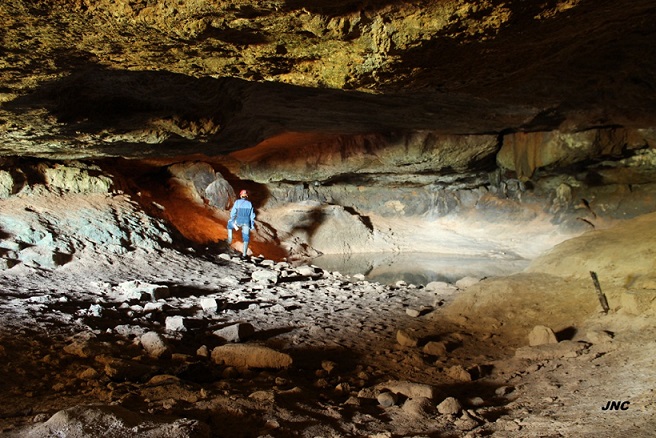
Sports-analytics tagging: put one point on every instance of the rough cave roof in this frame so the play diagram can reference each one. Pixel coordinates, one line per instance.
(87, 78)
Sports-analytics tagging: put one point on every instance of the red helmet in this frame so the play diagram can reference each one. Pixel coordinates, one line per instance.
(243, 194)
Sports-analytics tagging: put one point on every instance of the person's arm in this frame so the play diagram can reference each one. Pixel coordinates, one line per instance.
(252, 217)
(233, 212)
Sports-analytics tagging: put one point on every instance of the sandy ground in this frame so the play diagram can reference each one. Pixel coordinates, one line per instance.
(69, 338)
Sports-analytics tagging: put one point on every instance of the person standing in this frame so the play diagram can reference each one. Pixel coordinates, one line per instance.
(242, 216)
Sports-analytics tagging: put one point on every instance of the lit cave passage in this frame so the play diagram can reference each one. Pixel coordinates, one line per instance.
(455, 200)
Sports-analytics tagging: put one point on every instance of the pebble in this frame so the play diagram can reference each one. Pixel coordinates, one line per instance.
(406, 339)
(419, 407)
(435, 348)
(449, 406)
(412, 312)
(387, 399)
(541, 335)
(503, 390)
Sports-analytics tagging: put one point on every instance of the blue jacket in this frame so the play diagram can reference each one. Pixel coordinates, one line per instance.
(242, 213)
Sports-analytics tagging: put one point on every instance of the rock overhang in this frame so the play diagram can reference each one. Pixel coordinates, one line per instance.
(137, 79)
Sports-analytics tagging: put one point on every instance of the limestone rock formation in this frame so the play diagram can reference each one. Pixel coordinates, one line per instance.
(130, 78)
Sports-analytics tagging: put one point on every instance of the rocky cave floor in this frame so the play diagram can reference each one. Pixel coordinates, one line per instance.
(368, 359)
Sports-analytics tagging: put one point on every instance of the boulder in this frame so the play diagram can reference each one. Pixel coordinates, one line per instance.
(140, 290)
(265, 276)
(387, 399)
(541, 335)
(175, 323)
(449, 406)
(420, 407)
(154, 344)
(459, 374)
(406, 339)
(435, 348)
(236, 333)
(209, 304)
(306, 271)
(250, 356)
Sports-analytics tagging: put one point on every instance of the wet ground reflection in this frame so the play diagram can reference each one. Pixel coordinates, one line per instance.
(419, 268)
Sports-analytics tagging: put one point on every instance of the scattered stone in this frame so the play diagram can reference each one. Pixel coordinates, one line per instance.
(175, 323)
(420, 407)
(129, 331)
(88, 374)
(81, 345)
(154, 344)
(236, 333)
(229, 280)
(263, 396)
(412, 312)
(440, 288)
(435, 348)
(387, 399)
(343, 388)
(265, 276)
(250, 356)
(359, 277)
(328, 365)
(203, 351)
(140, 290)
(541, 335)
(503, 390)
(459, 374)
(465, 422)
(353, 401)
(162, 379)
(563, 349)
(95, 310)
(408, 389)
(476, 402)
(369, 393)
(209, 304)
(507, 425)
(180, 357)
(467, 282)
(406, 339)
(306, 271)
(277, 308)
(121, 369)
(401, 283)
(118, 420)
(40, 299)
(449, 406)
(154, 307)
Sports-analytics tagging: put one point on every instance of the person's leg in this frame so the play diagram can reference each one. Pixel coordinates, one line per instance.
(229, 235)
(245, 235)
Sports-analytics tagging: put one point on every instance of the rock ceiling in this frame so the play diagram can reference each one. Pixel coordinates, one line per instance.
(91, 78)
